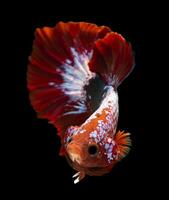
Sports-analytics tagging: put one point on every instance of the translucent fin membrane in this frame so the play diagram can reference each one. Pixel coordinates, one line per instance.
(123, 142)
(58, 72)
(112, 59)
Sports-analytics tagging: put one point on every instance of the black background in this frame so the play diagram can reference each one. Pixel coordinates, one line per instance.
(35, 167)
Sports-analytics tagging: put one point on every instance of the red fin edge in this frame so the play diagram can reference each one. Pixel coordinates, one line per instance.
(112, 58)
(50, 60)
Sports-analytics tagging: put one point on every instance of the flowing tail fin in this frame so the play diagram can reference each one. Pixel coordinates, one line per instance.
(112, 58)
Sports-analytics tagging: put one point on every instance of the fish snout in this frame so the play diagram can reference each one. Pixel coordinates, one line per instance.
(74, 153)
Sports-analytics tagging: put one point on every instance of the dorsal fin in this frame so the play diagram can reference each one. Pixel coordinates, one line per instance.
(58, 71)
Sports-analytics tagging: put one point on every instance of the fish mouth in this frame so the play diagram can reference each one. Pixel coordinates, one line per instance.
(75, 160)
(75, 157)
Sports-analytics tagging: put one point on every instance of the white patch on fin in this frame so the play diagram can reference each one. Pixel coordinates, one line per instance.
(79, 175)
(75, 75)
(76, 180)
(75, 175)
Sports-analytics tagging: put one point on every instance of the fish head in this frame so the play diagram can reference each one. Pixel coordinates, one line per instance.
(90, 157)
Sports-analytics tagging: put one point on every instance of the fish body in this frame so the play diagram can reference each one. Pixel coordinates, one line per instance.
(73, 76)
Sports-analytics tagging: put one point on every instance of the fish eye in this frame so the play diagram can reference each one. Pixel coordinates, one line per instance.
(92, 149)
(69, 139)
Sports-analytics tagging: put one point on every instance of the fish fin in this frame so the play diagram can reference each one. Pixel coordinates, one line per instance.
(112, 59)
(62, 151)
(58, 71)
(123, 143)
(79, 176)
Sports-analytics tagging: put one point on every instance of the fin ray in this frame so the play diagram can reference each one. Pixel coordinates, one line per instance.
(123, 143)
(58, 66)
(112, 59)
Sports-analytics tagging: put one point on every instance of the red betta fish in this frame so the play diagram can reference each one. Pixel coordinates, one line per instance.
(73, 74)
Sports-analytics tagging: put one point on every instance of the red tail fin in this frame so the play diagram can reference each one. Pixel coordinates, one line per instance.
(112, 58)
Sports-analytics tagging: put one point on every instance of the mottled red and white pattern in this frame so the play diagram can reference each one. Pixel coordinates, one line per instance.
(74, 71)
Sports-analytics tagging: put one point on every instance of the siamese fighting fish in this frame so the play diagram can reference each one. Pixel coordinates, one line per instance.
(73, 75)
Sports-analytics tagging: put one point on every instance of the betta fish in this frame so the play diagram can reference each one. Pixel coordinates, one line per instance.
(73, 74)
